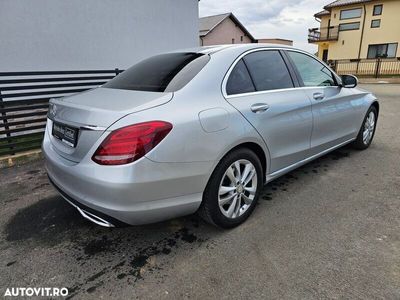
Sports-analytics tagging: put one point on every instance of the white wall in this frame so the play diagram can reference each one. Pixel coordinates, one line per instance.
(92, 34)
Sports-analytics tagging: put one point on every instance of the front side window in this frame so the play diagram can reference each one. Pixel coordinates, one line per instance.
(268, 70)
(349, 26)
(239, 81)
(382, 50)
(377, 10)
(350, 13)
(161, 73)
(311, 71)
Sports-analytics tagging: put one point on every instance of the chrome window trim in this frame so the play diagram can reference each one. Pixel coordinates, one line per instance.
(277, 90)
(233, 65)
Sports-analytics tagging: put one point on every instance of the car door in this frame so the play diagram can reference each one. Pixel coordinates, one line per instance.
(262, 89)
(334, 108)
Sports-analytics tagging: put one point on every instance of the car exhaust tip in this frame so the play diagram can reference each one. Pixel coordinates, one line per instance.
(93, 218)
(88, 213)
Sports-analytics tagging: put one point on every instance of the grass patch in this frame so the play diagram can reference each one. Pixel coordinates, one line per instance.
(20, 143)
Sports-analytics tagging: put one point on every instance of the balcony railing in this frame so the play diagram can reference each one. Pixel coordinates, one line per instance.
(323, 34)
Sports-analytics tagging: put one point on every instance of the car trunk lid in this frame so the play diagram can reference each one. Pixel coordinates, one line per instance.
(90, 114)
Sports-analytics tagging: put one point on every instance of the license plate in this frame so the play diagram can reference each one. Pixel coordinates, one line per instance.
(66, 134)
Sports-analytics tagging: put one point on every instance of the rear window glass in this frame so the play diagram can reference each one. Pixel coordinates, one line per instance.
(161, 73)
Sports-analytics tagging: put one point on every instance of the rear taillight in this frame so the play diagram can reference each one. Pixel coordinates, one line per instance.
(130, 143)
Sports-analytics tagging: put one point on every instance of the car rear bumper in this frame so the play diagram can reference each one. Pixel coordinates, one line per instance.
(138, 193)
(89, 213)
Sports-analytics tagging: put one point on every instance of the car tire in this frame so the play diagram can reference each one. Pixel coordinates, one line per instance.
(367, 130)
(220, 206)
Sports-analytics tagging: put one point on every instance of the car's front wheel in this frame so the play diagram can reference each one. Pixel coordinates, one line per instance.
(233, 189)
(367, 130)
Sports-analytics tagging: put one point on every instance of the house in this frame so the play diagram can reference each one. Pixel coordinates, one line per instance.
(92, 34)
(276, 41)
(223, 29)
(357, 29)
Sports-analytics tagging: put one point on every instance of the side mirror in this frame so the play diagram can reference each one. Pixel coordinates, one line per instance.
(349, 81)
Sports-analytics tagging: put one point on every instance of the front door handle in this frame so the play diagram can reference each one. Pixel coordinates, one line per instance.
(318, 96)
(259, 107)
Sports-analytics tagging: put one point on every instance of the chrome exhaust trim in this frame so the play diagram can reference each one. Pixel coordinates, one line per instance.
(95, 219)
(91, 217)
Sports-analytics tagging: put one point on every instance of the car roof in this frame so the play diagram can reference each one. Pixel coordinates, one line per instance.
(239, 47)
(204, 49)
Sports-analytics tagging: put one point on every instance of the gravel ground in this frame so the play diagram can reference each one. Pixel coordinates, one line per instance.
(330, 229)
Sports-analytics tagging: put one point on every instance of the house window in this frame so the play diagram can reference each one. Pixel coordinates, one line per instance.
(382, 50)
(350, 13)
(376, 23)
(377, 10)
(349, 26)
(241, 38)
(233, 41)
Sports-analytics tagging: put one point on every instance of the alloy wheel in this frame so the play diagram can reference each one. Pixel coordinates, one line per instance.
(369, 127)
(237, 189)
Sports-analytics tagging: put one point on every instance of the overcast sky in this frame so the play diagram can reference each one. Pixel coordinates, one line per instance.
(288, 19)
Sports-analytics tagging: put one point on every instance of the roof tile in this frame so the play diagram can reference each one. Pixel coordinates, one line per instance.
(208, 23)
(344, 2)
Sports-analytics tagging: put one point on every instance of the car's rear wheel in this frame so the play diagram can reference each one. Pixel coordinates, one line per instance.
(367, 130)
(233, 189)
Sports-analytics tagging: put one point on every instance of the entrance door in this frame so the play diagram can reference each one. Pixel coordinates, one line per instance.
(325, 55)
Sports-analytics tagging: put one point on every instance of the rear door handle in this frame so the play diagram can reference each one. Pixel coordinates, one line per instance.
(259, 107)
(318, 96)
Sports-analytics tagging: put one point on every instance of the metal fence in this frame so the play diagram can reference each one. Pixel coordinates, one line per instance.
(24, 98)
(379, 67)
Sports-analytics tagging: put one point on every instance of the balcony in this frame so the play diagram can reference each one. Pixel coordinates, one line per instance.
(323, 34)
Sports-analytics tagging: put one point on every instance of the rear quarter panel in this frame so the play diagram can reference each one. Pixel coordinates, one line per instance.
(196, 135)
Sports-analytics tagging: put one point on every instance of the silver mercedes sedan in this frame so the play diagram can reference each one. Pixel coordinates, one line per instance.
(200, 130)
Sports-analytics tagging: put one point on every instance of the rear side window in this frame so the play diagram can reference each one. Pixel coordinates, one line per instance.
(268, 70)
(161, 73)
(311, 71)
(239, 81)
